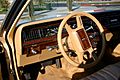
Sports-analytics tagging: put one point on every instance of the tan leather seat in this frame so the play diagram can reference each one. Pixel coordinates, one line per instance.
(111, 72)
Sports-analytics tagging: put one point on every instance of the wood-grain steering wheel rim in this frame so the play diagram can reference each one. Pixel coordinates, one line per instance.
(80, 26)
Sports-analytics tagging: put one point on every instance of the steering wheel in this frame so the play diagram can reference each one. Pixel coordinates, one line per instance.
(79, 40)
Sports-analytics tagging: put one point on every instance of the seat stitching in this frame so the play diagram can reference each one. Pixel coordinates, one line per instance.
(100, 74)
(95, 76)
(105, 70)
(108, 72)
(89, 77)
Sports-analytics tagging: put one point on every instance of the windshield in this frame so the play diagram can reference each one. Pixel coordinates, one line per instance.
(45, 9)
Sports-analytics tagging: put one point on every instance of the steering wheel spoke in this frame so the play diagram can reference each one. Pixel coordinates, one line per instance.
(79, 22)
(68, 28)
(92, 53)
(79, 57)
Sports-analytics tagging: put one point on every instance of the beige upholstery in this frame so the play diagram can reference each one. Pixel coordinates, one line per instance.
(111, 72)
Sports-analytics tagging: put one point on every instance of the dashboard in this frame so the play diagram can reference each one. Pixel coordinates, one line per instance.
(39, 39)
(35, 38)
(109, 19)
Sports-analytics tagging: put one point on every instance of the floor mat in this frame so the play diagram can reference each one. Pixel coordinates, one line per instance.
(64, 73)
